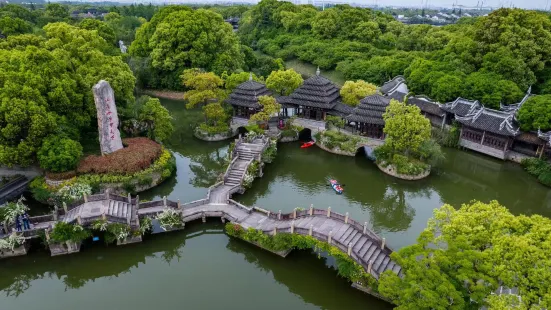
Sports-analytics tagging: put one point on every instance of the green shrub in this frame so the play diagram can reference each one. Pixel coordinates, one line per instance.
(145, 180)
(538, 168)
(64, 232)
(129, 187)
(289, 133)
(59, 154)
(205, 129)
(408, 166)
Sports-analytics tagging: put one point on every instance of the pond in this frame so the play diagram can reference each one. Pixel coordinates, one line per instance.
(202, 268)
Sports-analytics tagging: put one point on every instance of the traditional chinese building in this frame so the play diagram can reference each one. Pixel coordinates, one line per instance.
(395, 88)
(367, 117)
(459, 107)
(488, 131)
(244, 98)
(314, 99)
(430, 109)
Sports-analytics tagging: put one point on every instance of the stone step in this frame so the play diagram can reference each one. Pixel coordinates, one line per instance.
(365, 247)
(373, 255)
(379, 260)
(384, 264)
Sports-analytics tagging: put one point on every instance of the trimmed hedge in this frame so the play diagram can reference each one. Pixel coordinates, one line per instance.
(139, 154)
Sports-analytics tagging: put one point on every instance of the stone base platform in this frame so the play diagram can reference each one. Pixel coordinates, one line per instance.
(130, 240)
(64, 248)
(18, 251)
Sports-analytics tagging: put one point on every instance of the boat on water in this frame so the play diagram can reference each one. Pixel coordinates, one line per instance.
(336, 186)
(307, 144)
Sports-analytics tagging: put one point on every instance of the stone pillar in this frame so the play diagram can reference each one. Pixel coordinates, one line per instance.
(365, 228)
(293, 227)
(79, 220)
(55, 214)
(369, 266)
(346, 218)
(329, 212)
(85, 198)
(103, 217)
(483, 136)
(329, 237)
(295, 213)
(223, 219)
(47, 235)
(108, 119)
(129, 198)
(279, 215)
(310, 229)
(164, 201)
(107, 193)
(204, 217)
(383, 244)
(275, 230)
(349, 248)
(311, 210)
(179, 205)
(137, 202)
(65, 207)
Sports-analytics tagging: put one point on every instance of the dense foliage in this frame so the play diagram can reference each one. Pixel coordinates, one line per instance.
(493, 59)
(156, 120)
(539, 168)
(535, 113)
(59, 154)
(284, 82)
(46, 87)
(338, 141)
(270, 107)
(464, 255)
(408, 145)
(64, 232)
(353, 91)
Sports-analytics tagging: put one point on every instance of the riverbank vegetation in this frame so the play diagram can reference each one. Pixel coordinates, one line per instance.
(408, 145)
(539, 168)
(338, 141)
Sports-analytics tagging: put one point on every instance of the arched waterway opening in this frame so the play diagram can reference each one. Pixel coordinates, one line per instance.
(242, 130)
(305, 135)
(365, 152)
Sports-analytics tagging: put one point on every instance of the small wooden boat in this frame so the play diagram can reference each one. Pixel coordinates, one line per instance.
(336, 186)
(307, 144)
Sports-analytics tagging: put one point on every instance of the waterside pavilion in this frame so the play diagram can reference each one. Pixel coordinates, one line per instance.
(430, 109)
(367, 117)
(244, 98)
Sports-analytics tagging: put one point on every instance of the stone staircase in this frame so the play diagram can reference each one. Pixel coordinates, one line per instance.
(245, 152)
(119, 209)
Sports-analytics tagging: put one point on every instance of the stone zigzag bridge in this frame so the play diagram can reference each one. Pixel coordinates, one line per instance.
(350, 236)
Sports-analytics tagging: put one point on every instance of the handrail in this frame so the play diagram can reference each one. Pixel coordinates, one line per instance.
(245, 171)
(215, 185)
(237, 204)
(229, 166)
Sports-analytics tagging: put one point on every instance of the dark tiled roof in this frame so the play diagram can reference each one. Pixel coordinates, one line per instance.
(246, 94)
(493, 121)
(426, 105)
(397, 96)
(370, 110)
(530, 137)
(461, 107)
(342, 109)
(317, 92)
(545, 136)
(284, 101)
(389, 86)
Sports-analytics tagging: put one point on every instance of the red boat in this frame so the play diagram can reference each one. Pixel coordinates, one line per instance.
(307, 144)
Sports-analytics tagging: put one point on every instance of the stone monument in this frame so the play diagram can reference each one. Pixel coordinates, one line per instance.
(108, 120)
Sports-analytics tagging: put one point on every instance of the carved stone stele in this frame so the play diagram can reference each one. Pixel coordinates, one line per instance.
(108, 119)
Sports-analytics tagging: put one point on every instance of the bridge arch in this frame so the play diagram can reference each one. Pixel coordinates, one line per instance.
(242, 130)
(305, 134)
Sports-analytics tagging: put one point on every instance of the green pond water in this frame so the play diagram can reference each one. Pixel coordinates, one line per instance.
(202, 268)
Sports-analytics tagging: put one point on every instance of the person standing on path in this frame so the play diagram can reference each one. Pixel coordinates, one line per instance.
(26, 221)
(18, 223)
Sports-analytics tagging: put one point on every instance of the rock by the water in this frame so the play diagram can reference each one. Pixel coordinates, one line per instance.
(108, 119)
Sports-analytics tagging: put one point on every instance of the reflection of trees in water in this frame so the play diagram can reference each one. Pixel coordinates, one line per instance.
(207, 167)
(21, 283)
(393, 213)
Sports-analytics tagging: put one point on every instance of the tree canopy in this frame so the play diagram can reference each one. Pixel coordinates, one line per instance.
(464, 255)
(352, 92)
(406, 129)
(284, 82)
(269, 108)
(535, 113)
(157, 120)
(203, 86)
(233, 80)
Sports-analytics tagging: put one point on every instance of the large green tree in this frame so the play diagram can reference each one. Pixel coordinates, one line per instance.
(284, 82)
(46, 87)
(203, 87)
(157, 120)
(352, 92)
(535, 113)
(233, 80)
(464, 255)
(190, 39)
(406, 129)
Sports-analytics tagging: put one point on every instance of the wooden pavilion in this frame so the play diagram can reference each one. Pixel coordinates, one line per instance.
(244, 98)
(367, 117)
(314, 99)
(430, 109)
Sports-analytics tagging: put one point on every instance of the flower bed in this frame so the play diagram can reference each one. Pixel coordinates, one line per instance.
(151, 176)
(138, 155)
